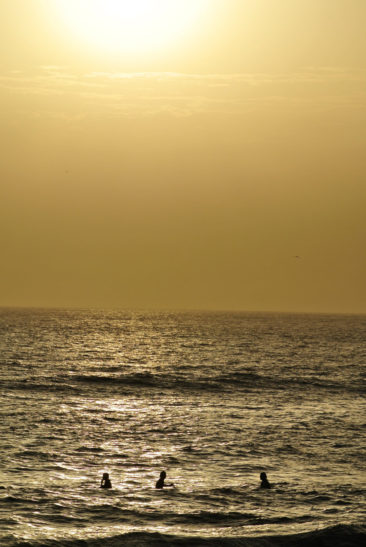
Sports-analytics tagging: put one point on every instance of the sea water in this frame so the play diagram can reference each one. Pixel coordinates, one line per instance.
(213, 399)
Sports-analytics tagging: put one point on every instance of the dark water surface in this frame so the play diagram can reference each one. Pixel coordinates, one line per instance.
(214, 399)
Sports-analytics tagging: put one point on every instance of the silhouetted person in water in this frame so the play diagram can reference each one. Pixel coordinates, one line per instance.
(160, 482)
(264, 483)
(105, 482)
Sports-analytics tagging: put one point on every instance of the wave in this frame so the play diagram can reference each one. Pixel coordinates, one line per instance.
(19, 501)
(249, 381)
(199, 518)
(236, 518)
(244, 381)
(336, 536)
(92, 449)
(51, 384)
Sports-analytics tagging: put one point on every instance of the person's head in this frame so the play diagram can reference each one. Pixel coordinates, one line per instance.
(105, 476)
(263, 476)
(163, 475)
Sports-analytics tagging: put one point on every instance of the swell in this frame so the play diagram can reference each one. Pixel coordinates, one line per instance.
(105, 514)
(336, 536)
(244, 381)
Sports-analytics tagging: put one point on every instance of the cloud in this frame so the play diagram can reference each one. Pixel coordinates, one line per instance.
(178, 94)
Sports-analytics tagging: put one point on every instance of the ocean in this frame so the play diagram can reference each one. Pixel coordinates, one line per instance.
(214, 399)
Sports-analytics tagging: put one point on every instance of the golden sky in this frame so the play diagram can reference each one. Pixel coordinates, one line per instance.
(208, 156)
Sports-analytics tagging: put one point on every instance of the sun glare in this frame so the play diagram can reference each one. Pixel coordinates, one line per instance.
(132, 26)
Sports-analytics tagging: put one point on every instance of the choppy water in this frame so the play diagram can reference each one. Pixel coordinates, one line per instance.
(214, 399)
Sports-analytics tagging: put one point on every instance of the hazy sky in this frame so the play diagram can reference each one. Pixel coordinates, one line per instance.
(213, 161)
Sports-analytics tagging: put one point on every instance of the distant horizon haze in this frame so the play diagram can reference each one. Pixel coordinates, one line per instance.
(220, 166)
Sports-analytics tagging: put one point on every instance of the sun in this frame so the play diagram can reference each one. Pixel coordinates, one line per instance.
(135, 26)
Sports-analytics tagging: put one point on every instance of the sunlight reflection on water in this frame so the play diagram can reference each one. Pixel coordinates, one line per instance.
(218, 400)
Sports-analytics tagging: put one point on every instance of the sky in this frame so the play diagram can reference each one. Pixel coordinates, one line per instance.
(198, 155)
